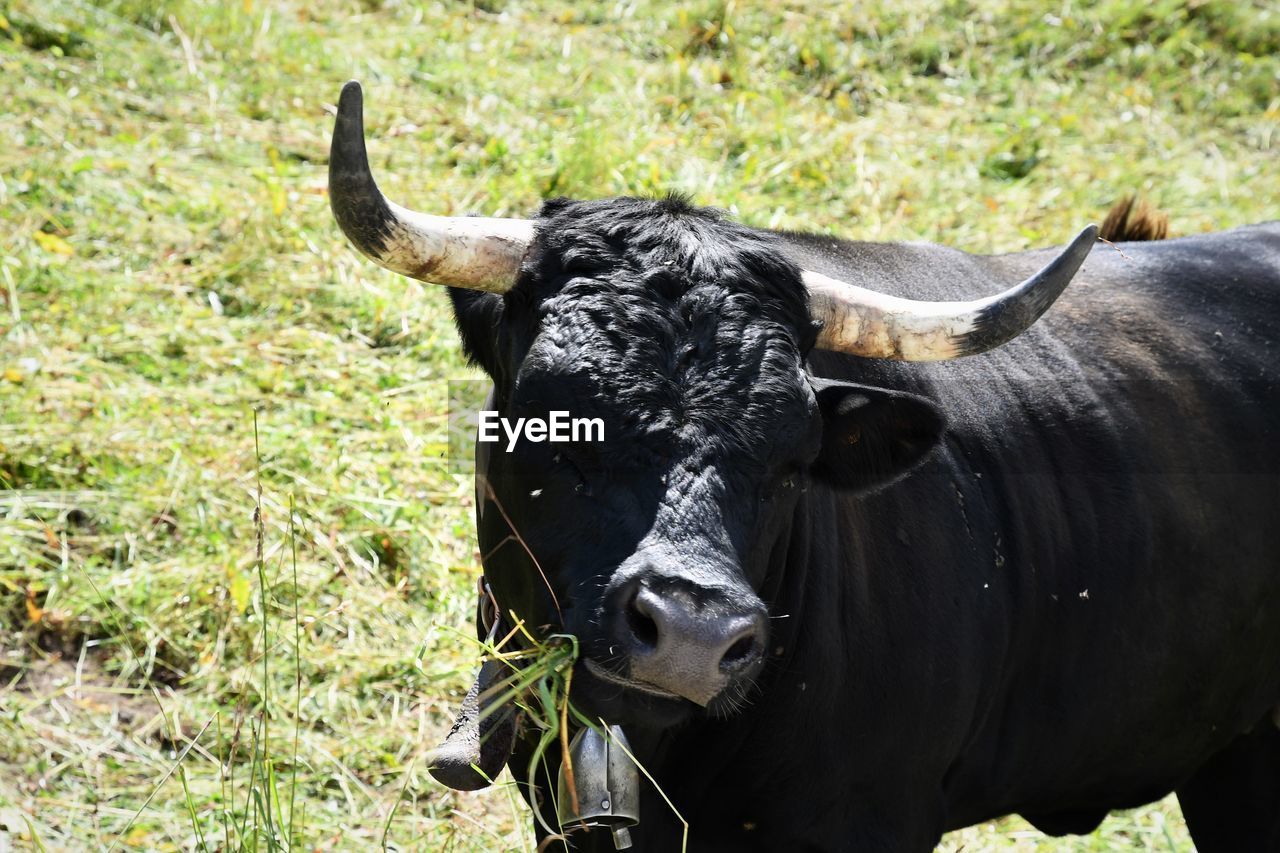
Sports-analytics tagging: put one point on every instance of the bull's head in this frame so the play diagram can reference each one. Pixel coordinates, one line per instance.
(687, 335)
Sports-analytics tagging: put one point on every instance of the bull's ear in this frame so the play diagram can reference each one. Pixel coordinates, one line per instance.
(872, 436)
(478, 316)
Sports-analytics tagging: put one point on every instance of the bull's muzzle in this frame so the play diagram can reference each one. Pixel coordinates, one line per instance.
(686, 640)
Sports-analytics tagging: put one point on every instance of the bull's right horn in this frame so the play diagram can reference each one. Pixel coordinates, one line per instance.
(867, 323)
(472, 252)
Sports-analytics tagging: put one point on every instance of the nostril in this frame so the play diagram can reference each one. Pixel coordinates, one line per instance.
(642, 627)
(738, 652)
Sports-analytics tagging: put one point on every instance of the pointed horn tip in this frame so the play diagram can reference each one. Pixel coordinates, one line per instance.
(1079, 248)
(351, 101)
(1083, 242)
(346, 149)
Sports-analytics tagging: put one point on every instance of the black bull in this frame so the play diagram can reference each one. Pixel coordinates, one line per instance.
(1071, 605)
(849, 604)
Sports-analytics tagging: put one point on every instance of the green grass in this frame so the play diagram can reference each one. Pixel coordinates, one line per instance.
(168, 265)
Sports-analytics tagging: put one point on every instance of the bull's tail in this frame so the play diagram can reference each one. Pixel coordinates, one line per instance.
(1130, 219)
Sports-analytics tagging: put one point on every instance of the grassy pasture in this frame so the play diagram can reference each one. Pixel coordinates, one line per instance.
(168, 266)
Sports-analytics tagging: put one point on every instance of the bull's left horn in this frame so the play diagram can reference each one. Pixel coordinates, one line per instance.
(472, 252)
(863, 322)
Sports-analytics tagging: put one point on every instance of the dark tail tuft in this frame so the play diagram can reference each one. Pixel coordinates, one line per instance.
(1130, 219)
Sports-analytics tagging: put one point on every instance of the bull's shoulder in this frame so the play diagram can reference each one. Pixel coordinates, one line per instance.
(1246, 257)
(1249, 253)
(914, 270)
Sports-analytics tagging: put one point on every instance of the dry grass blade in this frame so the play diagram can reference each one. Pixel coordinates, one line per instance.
(168, 773)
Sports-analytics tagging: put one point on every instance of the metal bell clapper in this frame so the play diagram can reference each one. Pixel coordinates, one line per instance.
(608, 785)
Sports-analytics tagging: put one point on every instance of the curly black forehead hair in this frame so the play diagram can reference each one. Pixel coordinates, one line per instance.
(668, 316)
(666, 249)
